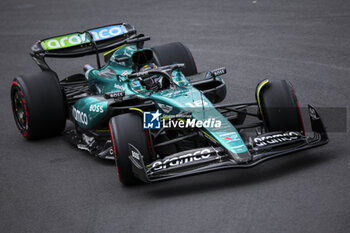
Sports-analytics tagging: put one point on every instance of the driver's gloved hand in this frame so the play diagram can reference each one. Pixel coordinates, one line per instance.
(156, 86)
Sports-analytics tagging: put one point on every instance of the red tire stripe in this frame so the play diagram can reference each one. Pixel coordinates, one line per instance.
(148, 142)
(114, 148)
(110, 129)
(301, 119)
(25, 133)
(14, 83)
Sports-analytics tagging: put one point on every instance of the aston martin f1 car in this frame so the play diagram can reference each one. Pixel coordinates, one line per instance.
(151, 111)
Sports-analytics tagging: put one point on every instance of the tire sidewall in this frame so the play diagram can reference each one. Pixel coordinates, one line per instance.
(279, 107)
(127, 128)
(45, 103)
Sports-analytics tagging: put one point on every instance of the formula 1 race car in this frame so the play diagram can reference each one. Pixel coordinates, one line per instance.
(151, 111)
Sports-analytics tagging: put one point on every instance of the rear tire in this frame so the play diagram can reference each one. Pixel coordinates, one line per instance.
(38, 105)
(127, 128)
(175, 52)
(279, 106)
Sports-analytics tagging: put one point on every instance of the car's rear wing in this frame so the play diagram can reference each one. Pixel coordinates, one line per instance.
(90, 41)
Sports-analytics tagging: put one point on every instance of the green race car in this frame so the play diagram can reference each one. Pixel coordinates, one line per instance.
(151, 111)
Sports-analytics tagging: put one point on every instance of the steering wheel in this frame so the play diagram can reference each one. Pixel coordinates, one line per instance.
(156, 80)
(162, 71)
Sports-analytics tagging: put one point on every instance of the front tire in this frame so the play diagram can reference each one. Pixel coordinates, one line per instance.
(38, 105)
(279, 106)
(127, 128)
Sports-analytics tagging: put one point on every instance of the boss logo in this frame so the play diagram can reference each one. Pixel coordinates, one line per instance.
(96, 108)
(220, 71)
(135, 155)
(114, 95)
(313, 114)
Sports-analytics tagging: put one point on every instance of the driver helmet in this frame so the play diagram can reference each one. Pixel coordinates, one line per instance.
(155, 81)
(149, 66)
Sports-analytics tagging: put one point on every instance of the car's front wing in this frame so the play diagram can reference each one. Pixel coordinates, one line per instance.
(214, 158)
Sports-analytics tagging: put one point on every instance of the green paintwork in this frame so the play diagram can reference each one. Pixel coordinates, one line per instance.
(184, 98)
(88, 112)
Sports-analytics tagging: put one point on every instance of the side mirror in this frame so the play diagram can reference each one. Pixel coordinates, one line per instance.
(215, 73)
(121, 59)
(115, 95)
(219, 71)
(117, 59)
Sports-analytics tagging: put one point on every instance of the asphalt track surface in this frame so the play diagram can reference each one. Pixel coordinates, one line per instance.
(49, 186)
